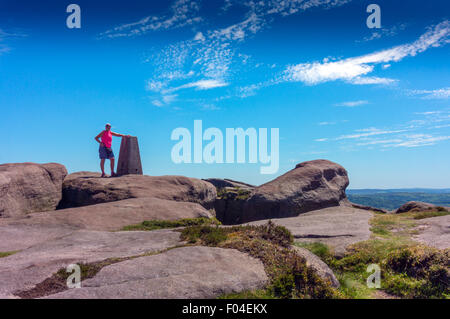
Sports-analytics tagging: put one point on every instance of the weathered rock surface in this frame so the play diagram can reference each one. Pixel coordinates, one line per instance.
(25, 269)
(113, 215)
(19, 237)
(310, 186)
(86, 188)
(318, 265)
(435, 232)
(415, 207)
(29, 187)
(187, 272)
(337, 227)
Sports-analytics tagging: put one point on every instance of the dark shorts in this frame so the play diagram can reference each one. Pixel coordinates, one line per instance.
(105, 152)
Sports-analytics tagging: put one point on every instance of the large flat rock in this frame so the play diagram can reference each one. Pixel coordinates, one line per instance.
(31, 266)
(337, 227)
(19, 237)
(113, 215)
(435, 232)
(188, 272)
(30, 187)
(87, 188)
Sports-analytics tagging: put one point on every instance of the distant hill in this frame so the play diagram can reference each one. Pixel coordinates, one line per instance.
(394, 198)
(399, 190)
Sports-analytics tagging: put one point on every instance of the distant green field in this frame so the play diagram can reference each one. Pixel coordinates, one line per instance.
(393, 200)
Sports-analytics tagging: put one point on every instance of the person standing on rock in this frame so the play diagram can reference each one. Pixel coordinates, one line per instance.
(105, 150)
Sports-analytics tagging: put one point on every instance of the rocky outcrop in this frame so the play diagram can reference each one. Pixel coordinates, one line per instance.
(318, 265)
(187, 272)
(86, 188)
(29, 187)
(311, 185)
(417, 207)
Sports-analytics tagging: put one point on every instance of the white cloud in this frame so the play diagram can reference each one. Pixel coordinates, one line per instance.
(385, 32)
(406, 135)
(443, 93)
(4, 47)
(157, 103)
(213, 54)
(354, 69)
(199, 85)
(210, 107)
(199, 37)
(417, 140)
(249, 90)
(183, 13)
(289, 7)
(169, 98)
(155, 86)
(372, 80)
(239, 30)
(428, 113)
(379, 141)
(352, 103)
(367, 132)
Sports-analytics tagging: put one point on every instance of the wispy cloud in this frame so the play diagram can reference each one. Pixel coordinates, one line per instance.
(410, 134)
(372, 80)
(352, 103)
(239, 30)
(183, 13)
(289, 7)
(4, 36)
(354, 69)
(331, 123)
(199, 85)
(209, 107)
(385, 32)
(418, 140)
(367, 132)
(211, 55)
(157, 103)
(443, 93)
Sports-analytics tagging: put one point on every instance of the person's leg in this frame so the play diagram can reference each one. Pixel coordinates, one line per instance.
(102, 166)
(112, 166)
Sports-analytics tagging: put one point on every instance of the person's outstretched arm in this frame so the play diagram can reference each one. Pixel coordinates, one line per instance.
(118, 135)
(97, 138)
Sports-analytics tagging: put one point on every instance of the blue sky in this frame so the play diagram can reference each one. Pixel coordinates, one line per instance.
(373, 100)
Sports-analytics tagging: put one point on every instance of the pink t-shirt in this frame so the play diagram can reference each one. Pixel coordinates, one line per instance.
(107, 138)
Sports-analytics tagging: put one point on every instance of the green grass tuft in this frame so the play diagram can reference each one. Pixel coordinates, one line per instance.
(430, 214)
(408, 269)
(207, 235)
(319, 249)
(233, 193)
(149, 225)
(7, 253)
(289, 275)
